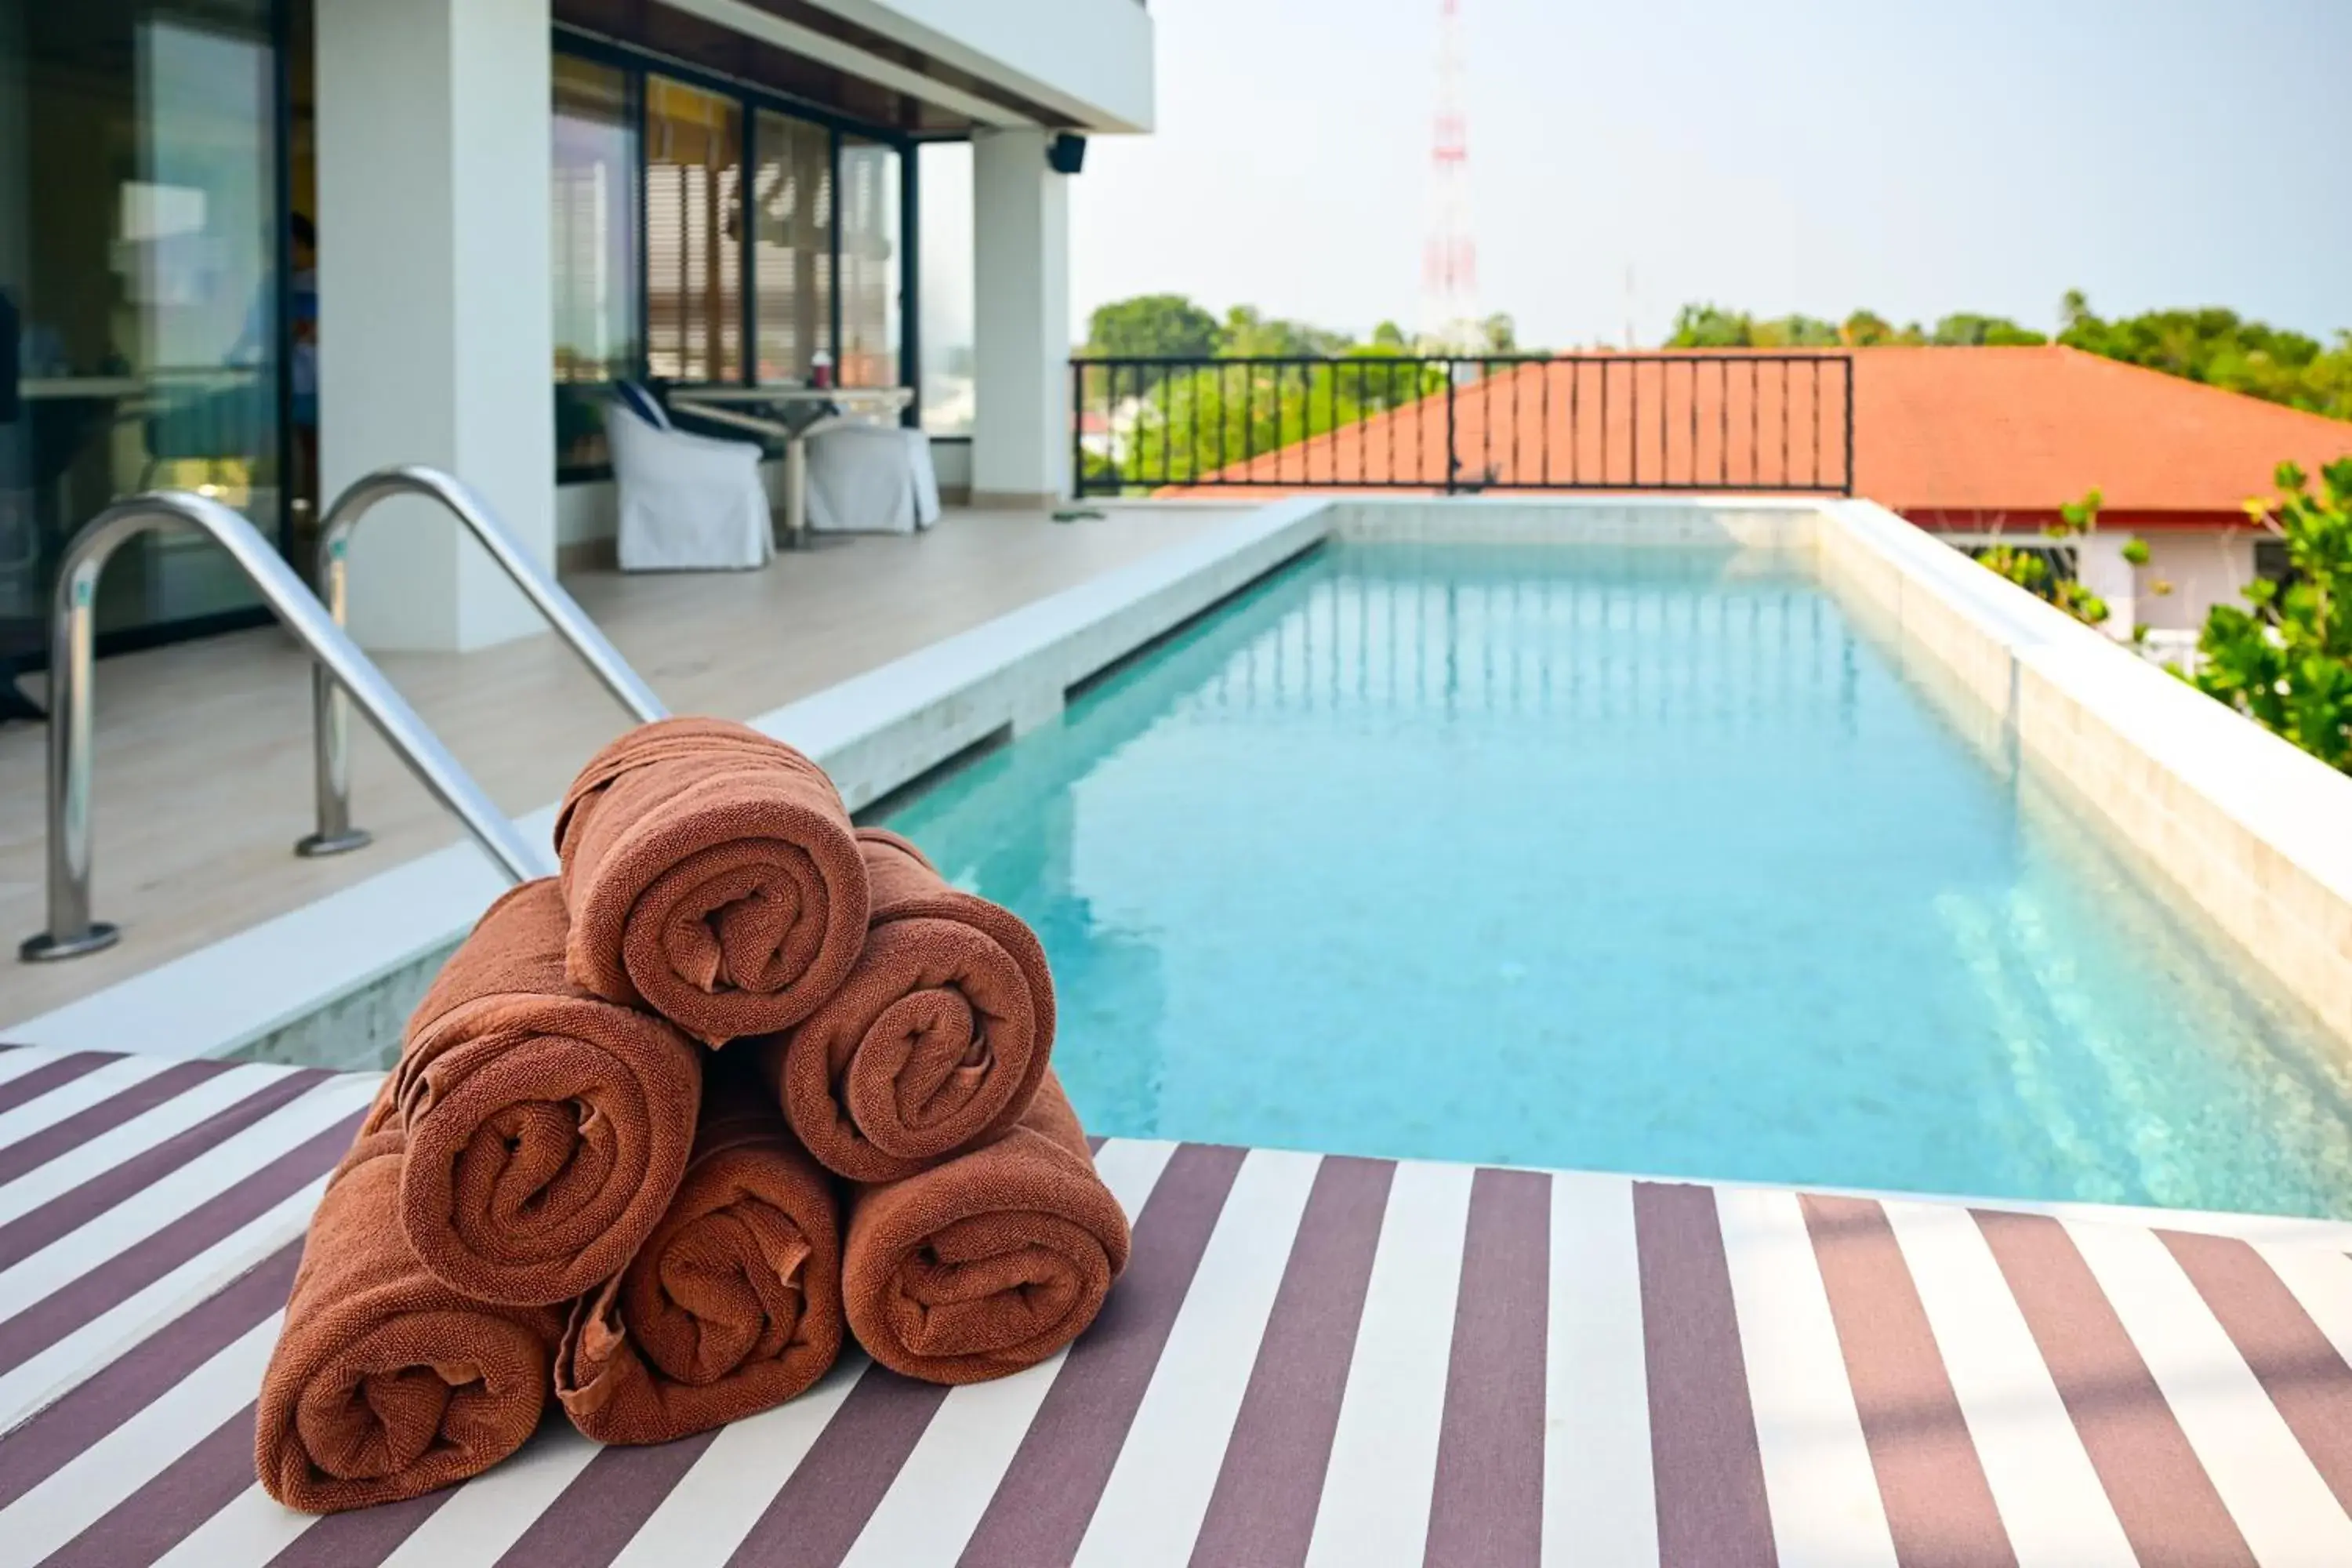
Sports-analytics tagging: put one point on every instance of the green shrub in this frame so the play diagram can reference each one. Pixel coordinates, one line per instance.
(2030, 572)
(2285, 659)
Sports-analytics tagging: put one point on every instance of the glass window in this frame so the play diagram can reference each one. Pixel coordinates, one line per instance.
(869, 263)
(140, 310)
(694, 175)
(943, 209)
(592, 238)
(791, 243)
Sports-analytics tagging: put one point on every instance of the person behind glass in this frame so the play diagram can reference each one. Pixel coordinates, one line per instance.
(302, 332)
(252, 347)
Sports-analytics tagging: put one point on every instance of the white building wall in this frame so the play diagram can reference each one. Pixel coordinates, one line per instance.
(2100, 566)
(435, 331)
(2203, 569)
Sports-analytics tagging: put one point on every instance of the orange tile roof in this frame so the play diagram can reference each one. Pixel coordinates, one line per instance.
(1951, 437)
(1983, 430)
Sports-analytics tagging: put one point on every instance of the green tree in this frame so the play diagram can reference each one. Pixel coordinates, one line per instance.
(2211, 345)
(1152, 326)
(1968, 330)
(2222, 349)
(1866, 329)
(2285, 659)
(1795, 331)
(1214, 417)
(1248, 333)
(1712, 327)
(1171, 426)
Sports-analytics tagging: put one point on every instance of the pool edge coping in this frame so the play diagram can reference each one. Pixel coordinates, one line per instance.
(2234, 819)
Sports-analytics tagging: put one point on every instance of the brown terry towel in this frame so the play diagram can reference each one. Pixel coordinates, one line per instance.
(385, 1383)
(938, 1039)
(711, 876)
(989, 1263)
(546, 1129)
(732, 1306)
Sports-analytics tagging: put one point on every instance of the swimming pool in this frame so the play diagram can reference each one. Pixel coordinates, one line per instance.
(1643, 859)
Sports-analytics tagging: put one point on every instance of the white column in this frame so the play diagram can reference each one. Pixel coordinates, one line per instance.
(1021, 322)
(2100, 566)
(435, 324)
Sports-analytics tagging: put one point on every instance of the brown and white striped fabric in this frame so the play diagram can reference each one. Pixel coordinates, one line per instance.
(1312, 1361)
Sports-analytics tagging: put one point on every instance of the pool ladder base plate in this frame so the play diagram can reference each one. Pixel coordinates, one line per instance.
(44, 948)
(313, 846)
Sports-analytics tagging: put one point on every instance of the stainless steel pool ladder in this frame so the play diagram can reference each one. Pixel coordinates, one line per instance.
(334, 833)
(72, 631)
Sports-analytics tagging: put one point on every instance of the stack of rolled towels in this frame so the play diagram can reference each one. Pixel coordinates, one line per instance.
(742, 1080)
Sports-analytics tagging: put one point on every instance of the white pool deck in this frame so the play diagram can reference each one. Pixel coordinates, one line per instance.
(1309, 1361)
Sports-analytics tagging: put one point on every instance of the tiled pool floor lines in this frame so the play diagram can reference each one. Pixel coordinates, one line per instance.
(1623, 858)
(1311, 1359)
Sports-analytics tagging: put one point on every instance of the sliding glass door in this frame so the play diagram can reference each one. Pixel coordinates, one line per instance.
(141, 294)
(702, 233)
(592, 240)
(871, 268)
(791, 244)
(694, 235)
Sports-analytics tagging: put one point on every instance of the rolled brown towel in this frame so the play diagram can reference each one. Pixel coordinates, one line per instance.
(935, 1043)
(385, 1383)
(711, 876)
(989, 1263)
(731, 1307)
(546, 1127)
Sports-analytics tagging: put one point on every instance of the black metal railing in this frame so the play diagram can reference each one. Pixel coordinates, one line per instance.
(1701, 421)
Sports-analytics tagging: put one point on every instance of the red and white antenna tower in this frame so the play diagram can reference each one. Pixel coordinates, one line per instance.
(1450, 264)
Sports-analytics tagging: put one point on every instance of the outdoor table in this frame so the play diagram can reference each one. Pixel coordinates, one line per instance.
(766, 412)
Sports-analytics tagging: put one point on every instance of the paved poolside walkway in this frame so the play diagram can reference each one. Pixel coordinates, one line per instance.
(203, 765)
(1310, 1361)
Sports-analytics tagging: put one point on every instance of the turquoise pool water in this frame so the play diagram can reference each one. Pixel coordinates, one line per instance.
(1639, 860)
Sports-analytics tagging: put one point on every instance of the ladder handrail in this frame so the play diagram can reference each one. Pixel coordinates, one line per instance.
(331, 738)
(72, 649)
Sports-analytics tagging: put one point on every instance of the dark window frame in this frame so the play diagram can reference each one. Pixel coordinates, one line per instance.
(632, 111)
(635, 65)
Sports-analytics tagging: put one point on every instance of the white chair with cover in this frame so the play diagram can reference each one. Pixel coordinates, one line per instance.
(688, 502)
(870, 479)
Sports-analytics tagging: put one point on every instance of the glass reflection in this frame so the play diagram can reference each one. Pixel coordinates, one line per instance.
(792, 242)
(593, 237)
(138, 298)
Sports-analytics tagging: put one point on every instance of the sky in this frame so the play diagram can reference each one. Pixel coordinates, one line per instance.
(1815, 156)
